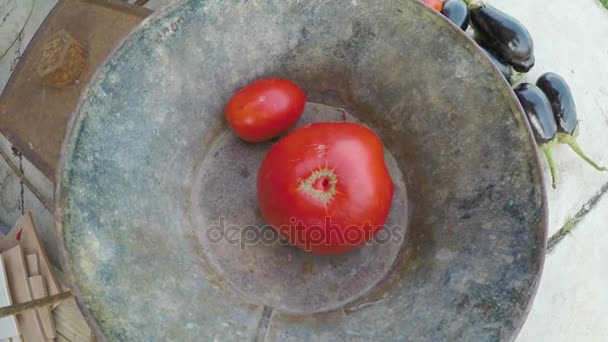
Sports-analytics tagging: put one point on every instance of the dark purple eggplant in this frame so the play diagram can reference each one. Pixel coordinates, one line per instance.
(526, 65)
(458, 13)
(538, 110)
(505, 69)
(502, 34)
(559, 94)
(562, 103)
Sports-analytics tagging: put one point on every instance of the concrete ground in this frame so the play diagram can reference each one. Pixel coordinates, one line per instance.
(571, 38)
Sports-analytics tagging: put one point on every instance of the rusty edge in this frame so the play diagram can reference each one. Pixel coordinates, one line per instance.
(14, 139)
(122, 6)
(469, 43)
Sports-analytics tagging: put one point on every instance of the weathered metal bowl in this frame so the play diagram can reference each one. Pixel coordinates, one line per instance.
(156, 207)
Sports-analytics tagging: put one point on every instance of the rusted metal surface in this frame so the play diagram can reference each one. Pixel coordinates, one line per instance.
(149, 167)
(62, 61)
(34, 116)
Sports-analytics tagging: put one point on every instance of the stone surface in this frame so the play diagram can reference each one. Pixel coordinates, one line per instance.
(572, 303)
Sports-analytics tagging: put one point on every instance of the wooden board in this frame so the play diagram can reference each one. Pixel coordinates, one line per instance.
(29, 322)
(70, 323)
(60, 338)
(33, 268)
(24, 234)
(38, 287)
(8, 325)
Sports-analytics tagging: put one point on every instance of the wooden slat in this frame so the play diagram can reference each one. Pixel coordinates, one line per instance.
(8, 325)
(61, 338)
(29, 322)
(33, 268)
(18, 308)
(80, 325)
(70, 323)
(25, 235)
(46, 318)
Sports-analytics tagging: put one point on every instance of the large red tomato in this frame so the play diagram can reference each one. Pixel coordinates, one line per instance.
(265, 109)
(325, 187)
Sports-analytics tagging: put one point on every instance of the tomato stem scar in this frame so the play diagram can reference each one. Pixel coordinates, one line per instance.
(321, 184)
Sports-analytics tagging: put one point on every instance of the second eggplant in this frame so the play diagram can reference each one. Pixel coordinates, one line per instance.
(504, 68)
(503, 35)
(564, 110)
(538, 110)
(559, 94)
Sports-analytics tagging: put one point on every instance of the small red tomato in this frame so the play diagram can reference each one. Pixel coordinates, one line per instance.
(436, 4)
(265, 109)
(325, 187)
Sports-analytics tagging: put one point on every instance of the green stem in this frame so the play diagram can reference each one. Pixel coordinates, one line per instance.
(546, 148)
(576, 131)
(517, 76)
(570, 140)
(473, 4)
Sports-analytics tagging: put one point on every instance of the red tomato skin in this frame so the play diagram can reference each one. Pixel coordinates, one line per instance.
(363, 192)
(436, 4)
(265, 109)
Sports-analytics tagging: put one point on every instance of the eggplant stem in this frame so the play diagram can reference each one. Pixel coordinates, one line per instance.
(546, 148)
(570, 140)
(473, 4)
(517, 76)
(576, 130)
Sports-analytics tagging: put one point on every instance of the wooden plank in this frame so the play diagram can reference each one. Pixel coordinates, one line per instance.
(61, 338)
(8, 325)
(70, 323)
(60, 278)
(29, 322)
(33, 268)
(24, 234)
(73, 327)
(18, 308)
(46, 318)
